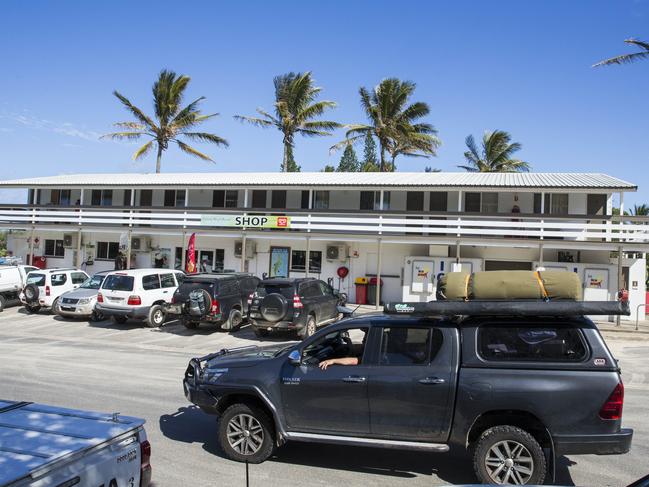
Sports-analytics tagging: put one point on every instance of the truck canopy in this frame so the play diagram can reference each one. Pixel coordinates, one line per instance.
(35, 436)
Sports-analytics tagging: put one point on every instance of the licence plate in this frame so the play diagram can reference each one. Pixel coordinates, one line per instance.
(115, 300)
(67, 308)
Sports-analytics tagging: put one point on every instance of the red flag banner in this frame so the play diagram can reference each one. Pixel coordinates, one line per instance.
(190, 265)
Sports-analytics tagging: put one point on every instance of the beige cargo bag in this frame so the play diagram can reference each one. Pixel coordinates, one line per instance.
(508, 285)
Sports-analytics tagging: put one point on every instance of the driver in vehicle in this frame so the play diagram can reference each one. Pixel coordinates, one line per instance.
(356, 354)
(338, 361)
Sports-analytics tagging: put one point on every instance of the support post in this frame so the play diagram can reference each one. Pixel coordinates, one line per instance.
(310, 199)
(243, 252)
(308, 252)
(378, 275)
(540, 255)
(619, 277)
(381, 200)
(245, 198)
(77, 262)
(31, 247)
(81, 197)
(183, 253)
(621, 221)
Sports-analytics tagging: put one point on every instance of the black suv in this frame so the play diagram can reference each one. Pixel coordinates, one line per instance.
(515, 390)
(220, 299)
(301, 305)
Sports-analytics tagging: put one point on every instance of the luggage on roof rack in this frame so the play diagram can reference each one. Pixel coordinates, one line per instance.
(492, 285)
(509, 308)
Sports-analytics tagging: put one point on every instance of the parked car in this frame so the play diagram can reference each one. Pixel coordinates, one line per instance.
(516, 389)
(298, 304)
(12, 281)
(80, 302)
(44, 287)
(138, 294)
(220, 299)
(45, 445)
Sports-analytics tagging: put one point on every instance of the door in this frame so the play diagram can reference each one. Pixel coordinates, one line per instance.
(329, 302)
(409, 389)
(331, 401)
(205, 260)
(167, 286)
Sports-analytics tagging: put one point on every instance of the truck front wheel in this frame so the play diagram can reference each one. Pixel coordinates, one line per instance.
(509, 455)
(246, 434)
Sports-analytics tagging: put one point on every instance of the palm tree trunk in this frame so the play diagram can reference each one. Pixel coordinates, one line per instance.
(287, 148)
(157, 164)
(382, 167)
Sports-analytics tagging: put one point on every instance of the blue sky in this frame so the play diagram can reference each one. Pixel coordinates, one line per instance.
(524, 67)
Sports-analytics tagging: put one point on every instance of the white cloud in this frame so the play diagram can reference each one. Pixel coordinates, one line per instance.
(65, 128)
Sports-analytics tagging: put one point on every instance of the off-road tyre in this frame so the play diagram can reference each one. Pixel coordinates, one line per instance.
(234, 320)
(531, 457)
(32, 308)
(262, 433)
(3, 302)
(96, 316)
(55, 307)
(309, 328)
(157, 317)
(120, 320)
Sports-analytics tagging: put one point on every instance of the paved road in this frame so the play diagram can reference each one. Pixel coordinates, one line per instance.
(137, 371)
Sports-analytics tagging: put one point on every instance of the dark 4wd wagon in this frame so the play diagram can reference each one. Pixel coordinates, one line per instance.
(300, 305)
(515, 389)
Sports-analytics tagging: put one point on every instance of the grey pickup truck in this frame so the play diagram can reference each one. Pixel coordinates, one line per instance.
(514, 383)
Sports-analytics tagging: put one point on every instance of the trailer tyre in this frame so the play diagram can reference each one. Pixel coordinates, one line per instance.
(509, 455)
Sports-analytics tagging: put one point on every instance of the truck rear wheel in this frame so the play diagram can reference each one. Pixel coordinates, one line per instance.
(3, 302)
(32, 308)
(246, 434)
(120, 320)
(509, 455)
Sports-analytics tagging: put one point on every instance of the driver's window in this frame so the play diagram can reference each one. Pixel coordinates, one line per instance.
(349, 342)
(326, 289)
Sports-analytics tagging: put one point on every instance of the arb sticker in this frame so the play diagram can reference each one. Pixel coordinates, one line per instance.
(599, 361)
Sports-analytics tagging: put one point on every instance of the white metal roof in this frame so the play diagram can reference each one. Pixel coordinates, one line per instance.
(334, 179)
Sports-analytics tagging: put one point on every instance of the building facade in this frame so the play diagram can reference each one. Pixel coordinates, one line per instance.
(403, 229)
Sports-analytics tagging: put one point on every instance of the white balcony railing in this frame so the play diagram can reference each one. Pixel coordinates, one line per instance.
(633, 230)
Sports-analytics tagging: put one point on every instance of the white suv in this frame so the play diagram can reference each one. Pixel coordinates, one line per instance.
(139, 294)
(44, 287)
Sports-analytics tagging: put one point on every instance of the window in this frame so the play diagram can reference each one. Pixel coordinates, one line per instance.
(180, 277)
(78, 277)
(167, 280)
(472, 202)
(409, 346)
(107, 250)
(537, 204)
(93, 282)
(174, 197)
(558, 204)
(371, 200)
(259, 198)
(489, 202)
(286, 290)
(127, 197)
(228, 287)
(54, 248)
(60, 197)
(146, 197)
(101, 197)
(438, 201)
(326, 289)
(118, 282)
(298, 261)
(304, 200)
(310, 290)
(249, 284)
(152, 281)
(36, 279)
(338, 344)
(278, 199)
(415, 201)
(225, 198)
(531, 343)
(321, 200)
(59, 279)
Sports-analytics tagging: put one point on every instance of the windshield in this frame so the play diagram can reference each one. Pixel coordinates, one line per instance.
(93, 282)
(37, 279)
(118, 282)
(286, 290)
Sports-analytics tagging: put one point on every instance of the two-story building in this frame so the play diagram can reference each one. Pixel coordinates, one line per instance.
(401, 228)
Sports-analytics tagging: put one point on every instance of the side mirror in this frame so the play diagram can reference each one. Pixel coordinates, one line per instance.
(295, 357)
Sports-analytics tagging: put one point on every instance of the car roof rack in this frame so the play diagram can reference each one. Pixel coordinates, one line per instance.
(509, 308)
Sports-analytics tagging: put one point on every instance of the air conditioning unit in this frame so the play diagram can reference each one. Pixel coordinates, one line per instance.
(337, 252)
(140, 244)
(251, 248)
(70, 240)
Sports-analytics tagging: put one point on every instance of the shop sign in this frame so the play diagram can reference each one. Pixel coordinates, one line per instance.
(248, 221)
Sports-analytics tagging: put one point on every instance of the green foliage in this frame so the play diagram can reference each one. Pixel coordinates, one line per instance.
(3, 244)
(430, 169)
(291, 165)
(171, 121)
(495, 154)
(369, 153)
(370, 167)
(296, 111)
(328, 168)
(637, 210)
(628, 58)
(393, 120)
(348, 161)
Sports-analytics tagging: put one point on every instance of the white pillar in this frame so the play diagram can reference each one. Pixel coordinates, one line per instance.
(243, 252)
(31, 247)
(186, 197)
(542, 202)
(183, 253)
(381, 200)
(378, 275)
(308, 251)
(77, 262)
(619, 275)
(310, 199)
(128, 249)
(133, 197)
(245, 198)
(81, 197)
(621, 203)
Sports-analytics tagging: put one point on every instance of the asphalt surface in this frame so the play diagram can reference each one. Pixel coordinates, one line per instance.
(138, 371)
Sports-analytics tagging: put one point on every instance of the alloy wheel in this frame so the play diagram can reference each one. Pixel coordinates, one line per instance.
(245, 434)
(509, 462)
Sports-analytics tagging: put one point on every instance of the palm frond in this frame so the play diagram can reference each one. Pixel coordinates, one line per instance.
(344, 143)
(131, 125)
(627, 58)
(190, 150)
(124, 135)
(143, 151)
(191, 108)
(205, 137)
(259, 122)
(139, 114)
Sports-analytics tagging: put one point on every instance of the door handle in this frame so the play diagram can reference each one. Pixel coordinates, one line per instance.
(431, 381)
(354, 378)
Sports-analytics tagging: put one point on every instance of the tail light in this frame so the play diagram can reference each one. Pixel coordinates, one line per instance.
(297, 302)
(145, 465)
(173, 299)
(250, 298)
(134, 300)
(100, 298)
(47, 290)
(612, 408)
(216, 307)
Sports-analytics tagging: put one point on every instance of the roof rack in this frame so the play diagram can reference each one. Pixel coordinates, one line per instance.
(509, 308)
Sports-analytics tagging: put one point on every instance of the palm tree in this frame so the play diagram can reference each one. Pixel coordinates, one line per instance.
(295, 110)
(639, 210)
(495, 156)
(627, 58)
(394, 123)
(171, 121)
